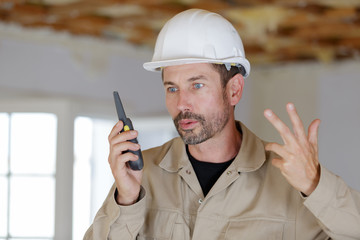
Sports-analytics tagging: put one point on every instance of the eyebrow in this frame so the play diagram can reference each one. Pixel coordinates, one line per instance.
(192, 79)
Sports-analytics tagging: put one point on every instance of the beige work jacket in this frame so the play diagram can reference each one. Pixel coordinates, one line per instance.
(251, 200)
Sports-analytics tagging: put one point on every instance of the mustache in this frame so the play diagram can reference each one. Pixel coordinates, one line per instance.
(188, 115)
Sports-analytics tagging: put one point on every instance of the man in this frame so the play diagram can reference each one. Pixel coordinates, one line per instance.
(220, 181)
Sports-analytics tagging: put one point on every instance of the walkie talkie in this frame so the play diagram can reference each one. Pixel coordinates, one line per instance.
(134, 165)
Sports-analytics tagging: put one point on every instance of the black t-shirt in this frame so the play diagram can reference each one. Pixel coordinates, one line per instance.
(206, 172)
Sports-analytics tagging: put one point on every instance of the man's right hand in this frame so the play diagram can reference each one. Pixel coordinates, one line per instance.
(127, 180)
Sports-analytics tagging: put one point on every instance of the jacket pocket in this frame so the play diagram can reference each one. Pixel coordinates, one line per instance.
(255, 229)
(159, 224)
(181, 229)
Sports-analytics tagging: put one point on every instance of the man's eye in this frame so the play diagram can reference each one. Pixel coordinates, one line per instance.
(172, 89)
(198, 85)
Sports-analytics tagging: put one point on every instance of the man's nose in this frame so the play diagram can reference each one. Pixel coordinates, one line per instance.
(184, 101)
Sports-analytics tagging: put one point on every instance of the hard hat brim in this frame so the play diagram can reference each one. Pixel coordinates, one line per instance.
(155, 66)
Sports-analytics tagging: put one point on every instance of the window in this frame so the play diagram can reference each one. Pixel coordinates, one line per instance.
(27, 175)
(54, 173)
(36, 169)
(92, 175)
(4, 192)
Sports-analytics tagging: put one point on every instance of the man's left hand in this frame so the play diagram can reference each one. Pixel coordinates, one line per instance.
(299, 161)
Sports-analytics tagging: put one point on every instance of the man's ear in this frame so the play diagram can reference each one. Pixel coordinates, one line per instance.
(235, 88)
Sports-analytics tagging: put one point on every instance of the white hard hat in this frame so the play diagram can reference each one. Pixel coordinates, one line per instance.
(198, 36)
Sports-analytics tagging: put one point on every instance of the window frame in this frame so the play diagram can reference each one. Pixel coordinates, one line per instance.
(66, 111)
(64, 154)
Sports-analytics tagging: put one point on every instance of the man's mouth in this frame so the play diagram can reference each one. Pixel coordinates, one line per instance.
(187, 124)
(187, 121)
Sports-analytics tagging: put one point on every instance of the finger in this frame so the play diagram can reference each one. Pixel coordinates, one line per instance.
(117, 150)
(298, 126)
(277, 148)
(280, 126)
(124, 146)
(119, 159)
(124, 136)
(278, 163)
(129, 156)
(116, 129)
(119, 165)
(313, 132)
(124, 158)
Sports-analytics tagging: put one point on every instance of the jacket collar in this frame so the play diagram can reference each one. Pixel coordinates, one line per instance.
(250, 157)
(252, 151)
(176, 157)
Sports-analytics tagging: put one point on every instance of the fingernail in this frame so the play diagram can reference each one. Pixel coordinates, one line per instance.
(133, 132)
(291, 106)
(268, 113)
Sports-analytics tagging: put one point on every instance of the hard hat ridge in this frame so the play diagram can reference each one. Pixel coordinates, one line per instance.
(198, 36)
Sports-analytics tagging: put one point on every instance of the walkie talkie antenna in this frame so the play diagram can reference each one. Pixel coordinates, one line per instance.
(134, 165)
(119, 107)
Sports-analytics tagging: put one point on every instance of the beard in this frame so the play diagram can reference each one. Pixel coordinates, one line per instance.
(209, 126)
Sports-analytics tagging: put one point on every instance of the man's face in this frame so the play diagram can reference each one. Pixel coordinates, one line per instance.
(196, 101)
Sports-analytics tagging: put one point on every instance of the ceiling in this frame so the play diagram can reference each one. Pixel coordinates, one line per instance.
(272, 30)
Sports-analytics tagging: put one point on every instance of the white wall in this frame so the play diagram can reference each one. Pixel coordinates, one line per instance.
(340, 131)
(41, 63)
(329, 92)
